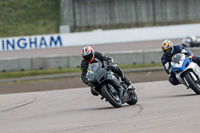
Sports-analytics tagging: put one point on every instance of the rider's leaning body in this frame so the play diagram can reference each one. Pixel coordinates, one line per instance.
(97, 57)
(91, 56)
(166, 59)
(168, 51)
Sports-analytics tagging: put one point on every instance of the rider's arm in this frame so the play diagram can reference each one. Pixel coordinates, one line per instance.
(166, 65)
(84, 71)
(102, 58)
(184, 50)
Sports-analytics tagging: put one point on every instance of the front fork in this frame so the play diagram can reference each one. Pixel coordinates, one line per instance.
(123, 93)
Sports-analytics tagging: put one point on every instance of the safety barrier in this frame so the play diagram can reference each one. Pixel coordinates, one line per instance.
(127, 57)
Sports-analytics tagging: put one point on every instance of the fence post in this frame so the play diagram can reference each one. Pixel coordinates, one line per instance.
(154, 13)
(74, 15)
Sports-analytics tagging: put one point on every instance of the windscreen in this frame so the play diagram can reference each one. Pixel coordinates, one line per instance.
(92, 68)
(176, 58)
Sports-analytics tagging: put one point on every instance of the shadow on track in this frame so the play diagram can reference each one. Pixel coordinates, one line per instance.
(175, 96)
(109, 108)
(184, 95)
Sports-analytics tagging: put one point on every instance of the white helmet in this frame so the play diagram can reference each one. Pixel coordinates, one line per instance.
(191, 39)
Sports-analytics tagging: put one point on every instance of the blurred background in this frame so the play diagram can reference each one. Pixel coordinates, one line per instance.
(131, 31)
(35, 17)
(84, 15)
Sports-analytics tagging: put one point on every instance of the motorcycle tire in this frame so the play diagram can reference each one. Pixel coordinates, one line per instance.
(115, 101)
(134, 98)
(192, 84)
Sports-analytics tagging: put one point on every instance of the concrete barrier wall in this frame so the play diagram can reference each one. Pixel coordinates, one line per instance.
(50, 62)
(137, 57)
(15, 65)
(134, 57)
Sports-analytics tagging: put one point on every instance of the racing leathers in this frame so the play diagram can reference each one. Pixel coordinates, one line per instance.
(102, 58)
(166, 61)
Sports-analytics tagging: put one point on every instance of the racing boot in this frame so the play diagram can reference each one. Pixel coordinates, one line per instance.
(126, 81)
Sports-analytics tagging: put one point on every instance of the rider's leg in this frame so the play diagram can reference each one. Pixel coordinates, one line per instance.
(119, 72)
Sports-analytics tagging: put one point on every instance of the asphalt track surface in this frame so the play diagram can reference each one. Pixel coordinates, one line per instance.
(76, 50)
(162, 108)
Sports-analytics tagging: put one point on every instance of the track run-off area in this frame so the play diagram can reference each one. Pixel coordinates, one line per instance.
(161, 108)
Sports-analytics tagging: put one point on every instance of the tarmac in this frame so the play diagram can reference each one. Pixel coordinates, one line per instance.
(161, 108)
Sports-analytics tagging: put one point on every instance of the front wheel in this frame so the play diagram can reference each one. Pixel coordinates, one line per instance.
(134, 98)
(194, 85)
(113, 99)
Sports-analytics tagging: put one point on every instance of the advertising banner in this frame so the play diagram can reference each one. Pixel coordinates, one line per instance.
(99, 37)
(30, 42)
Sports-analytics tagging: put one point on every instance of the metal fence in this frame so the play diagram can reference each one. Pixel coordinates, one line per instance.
(107, 12)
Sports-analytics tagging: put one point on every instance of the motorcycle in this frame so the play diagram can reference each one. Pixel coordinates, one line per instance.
(186, 71)
(191, 41)
(110, 86)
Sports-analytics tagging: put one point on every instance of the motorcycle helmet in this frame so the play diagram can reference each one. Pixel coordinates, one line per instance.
(88, 54)
(191, 39)
(167, 47)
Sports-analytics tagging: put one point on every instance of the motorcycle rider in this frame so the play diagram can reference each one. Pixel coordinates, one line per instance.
(190, 41)
(168, 51)
(91, 56)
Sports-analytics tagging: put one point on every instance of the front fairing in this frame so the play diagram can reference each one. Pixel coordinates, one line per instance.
(179, 63)
(95, 73)
(99, 77)
(182, 64)
(193, 67)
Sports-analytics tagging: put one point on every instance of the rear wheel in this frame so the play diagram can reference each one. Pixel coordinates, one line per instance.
(111, 97)
(193, 84)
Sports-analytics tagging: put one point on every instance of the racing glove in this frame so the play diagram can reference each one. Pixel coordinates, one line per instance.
(108, 68)
(109, 65)
(191, 56)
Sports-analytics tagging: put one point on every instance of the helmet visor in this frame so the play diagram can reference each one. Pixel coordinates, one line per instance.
(167, 51)
(88, 57)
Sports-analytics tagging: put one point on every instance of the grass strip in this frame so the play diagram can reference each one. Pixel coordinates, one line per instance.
(28, 73)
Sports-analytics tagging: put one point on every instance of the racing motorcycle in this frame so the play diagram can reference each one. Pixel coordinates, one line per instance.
(191, 41)
(110, 86)
(186, 71)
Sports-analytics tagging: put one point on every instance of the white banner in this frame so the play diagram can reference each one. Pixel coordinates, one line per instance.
(99, 37)
(30, 42)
